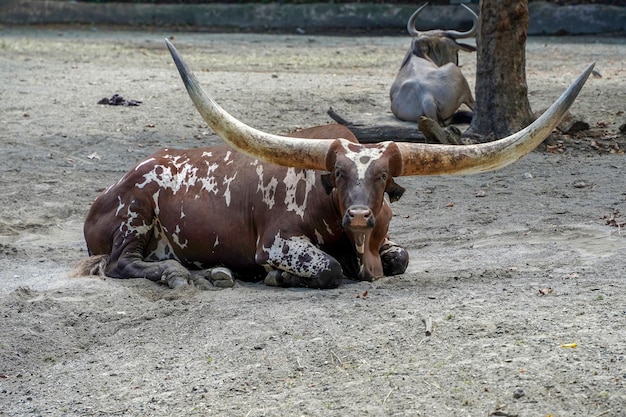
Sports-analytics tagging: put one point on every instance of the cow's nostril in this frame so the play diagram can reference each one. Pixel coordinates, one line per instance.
(359, 217)
(363, 212)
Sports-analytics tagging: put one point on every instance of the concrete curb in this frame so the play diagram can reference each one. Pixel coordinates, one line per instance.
(545, 18)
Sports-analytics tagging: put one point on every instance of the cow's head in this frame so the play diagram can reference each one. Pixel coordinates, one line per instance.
(362, 173)
(360, 176)
(438, 46)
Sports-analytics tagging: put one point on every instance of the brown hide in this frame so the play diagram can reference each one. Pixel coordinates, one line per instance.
(208, 207)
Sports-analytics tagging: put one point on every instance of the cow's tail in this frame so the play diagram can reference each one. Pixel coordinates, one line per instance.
(94, 265)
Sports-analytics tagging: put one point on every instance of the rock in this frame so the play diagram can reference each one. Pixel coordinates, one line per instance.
(572, 124)
(518, 393)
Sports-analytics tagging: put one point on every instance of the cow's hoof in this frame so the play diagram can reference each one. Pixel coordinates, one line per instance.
(284, 279)
(272, 278)
(278, 278)
(177, 282)
(221, 277)
(201, 281)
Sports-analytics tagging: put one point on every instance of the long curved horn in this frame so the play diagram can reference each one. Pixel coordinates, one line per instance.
(427, 159)
(455, 34)
(280, 150)
(410, 25)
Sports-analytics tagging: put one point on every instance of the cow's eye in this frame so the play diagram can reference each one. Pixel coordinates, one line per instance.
(337, 173)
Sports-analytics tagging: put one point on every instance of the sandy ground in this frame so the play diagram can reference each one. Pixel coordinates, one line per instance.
(510, 266)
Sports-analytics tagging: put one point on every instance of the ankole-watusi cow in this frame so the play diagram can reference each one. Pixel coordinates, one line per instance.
(300, 210)
(430, 82)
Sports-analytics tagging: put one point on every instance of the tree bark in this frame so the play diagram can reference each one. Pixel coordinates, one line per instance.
(502, 106)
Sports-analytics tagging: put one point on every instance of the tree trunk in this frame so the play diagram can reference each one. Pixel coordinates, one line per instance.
(502, 106)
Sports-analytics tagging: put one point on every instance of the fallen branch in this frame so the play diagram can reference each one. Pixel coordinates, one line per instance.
(449, 135)
(333, 115)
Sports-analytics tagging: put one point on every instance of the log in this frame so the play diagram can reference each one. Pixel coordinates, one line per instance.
(381, 128)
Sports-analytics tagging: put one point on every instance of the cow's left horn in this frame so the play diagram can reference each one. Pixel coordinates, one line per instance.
(410, 25)
(427, 159)
(280, 150)
(455, 34)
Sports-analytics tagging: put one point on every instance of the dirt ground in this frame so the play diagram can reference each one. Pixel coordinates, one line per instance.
(512, 267)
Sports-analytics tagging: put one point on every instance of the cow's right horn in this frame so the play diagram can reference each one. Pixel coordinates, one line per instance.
(280, 150)
(429, 159)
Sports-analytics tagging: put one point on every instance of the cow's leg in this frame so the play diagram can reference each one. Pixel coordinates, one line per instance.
(169, 271)
(127, 261)
(395, 258)
(429, 107)
(296, 262)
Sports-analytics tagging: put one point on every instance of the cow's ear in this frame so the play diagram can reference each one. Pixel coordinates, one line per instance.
(465, 47)
(394, 191)
(328, 182)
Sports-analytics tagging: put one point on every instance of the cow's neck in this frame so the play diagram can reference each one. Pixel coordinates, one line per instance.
(335, 208)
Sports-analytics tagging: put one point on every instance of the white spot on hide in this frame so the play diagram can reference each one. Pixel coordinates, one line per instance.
(209, 183)
(143, 163)
(176, 238)
(364, 156)
(268, 190)
(127, 227)
(319, 238)
(181, 175)
(120, 206)
(226, 181)
(292, 179)
(164, 248)
(227, 158)
(328, 229)
(155, 198)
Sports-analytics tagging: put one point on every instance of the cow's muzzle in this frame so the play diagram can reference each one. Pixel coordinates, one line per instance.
(358, 217)
(359, 220)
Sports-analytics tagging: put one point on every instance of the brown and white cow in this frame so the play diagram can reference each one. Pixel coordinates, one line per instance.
(304, 210)
(430, 82)
(210, 207)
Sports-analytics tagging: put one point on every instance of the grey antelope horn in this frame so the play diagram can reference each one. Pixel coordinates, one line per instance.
(454, 34)
(417, 158)
(280, 150)
(428, 159)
